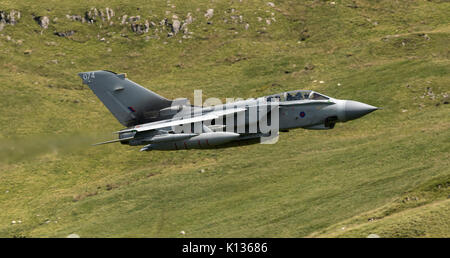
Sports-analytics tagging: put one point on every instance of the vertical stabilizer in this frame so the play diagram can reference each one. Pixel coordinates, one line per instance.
(129, 102)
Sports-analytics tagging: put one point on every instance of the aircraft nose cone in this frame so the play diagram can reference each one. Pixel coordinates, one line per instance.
(355, 109)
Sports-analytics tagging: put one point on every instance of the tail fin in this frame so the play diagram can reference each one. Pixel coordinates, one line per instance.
(129, 102)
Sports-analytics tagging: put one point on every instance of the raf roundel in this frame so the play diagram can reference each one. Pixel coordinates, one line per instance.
(302, 114)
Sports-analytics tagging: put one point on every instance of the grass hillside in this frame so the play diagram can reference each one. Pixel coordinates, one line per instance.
(386, 173)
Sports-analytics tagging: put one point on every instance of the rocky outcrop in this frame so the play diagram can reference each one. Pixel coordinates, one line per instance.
(140, 28)
(43, 21)
(92, 15)
(11, 17)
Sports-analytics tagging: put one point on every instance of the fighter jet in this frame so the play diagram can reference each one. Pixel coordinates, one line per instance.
(158, 123)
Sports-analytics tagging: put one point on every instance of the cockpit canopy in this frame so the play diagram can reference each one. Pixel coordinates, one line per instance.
(297, 95)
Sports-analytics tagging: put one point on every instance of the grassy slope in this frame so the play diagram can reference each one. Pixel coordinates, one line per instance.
(311, 183)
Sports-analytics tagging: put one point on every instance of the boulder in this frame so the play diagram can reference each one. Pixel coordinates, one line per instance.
(176, 25)
(209, 13)
(43, 21)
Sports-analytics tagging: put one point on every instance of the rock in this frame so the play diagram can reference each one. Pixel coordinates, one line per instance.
(91, 15)
(102, 15)
(109, 13)
(43, 21)
(13, 222)
(73, 236)
(373, 236)
(65, 34)
(209, 13)
(182, 232)
(75, 17)
(164, 22)
(189, 19)
(140, 28)
(321, 82)
(134, 18)
(176, 26)
(309, 67)
(14, 17)
(184, 28)
(10, 18)
(27, 52)
(136, 28)
(271, 4)
(124, 19)
(146, 26)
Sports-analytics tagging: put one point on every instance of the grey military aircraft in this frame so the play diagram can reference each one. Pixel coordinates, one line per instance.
(162, 124)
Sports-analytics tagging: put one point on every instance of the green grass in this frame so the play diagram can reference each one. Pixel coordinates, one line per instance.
(309, 184)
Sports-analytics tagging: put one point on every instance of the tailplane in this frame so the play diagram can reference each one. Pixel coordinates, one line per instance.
(129, 102)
